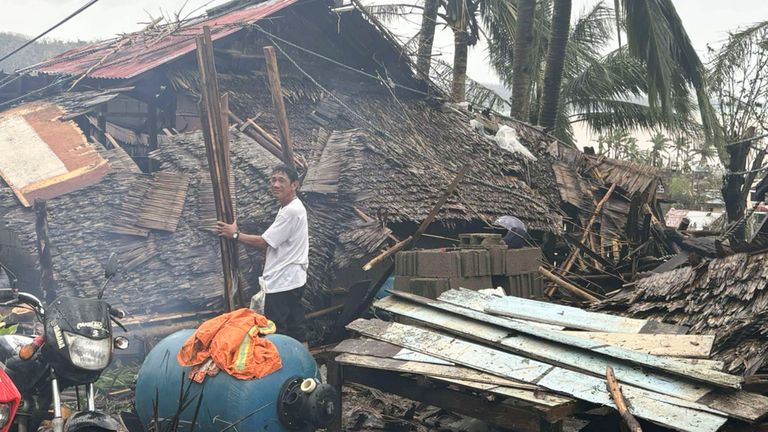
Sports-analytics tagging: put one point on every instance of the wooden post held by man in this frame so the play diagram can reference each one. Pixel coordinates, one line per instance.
(214, 111)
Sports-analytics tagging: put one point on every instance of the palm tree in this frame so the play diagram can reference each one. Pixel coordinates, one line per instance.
(680, 145)
(427, 37)
(461, 16)
(521, 61)
(553, 74)
(659, 143)
(656, 36)
(631, 149)
(604, 92)
(601, 144)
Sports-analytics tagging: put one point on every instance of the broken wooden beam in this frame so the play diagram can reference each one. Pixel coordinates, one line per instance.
(279, 106)
(621, 404)
(587, 228)
(571, 288)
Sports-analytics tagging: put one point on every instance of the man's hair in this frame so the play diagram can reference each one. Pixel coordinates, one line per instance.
(291, 172)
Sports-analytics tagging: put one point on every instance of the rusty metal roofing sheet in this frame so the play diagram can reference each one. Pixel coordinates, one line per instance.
(43, 157)
(136, 53)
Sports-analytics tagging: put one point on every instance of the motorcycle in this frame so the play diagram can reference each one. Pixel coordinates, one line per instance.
(9, 401)
(75, 347)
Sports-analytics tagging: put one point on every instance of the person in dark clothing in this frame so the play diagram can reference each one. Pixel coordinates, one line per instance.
(517, 236)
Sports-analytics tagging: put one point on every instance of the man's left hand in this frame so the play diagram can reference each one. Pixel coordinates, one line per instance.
(226, 230)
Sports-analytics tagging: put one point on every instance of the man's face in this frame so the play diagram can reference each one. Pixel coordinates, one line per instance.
(282, 187)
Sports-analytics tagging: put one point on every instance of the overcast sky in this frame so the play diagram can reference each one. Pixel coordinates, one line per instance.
(707, 21)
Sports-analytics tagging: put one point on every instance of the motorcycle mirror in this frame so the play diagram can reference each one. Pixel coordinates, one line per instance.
(111, 268)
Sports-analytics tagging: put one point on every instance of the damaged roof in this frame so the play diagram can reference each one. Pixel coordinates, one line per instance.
(726, 297)
(135, 53)
(44, 157)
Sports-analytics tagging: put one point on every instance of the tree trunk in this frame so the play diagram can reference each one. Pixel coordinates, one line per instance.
(521, 60)
(427, 37)
(553, 74)
(461, 48)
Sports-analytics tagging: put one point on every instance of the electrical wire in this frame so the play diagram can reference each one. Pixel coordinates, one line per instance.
(72, 15)
(388, 83)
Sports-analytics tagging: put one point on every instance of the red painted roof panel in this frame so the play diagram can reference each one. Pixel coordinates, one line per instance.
(136, 53)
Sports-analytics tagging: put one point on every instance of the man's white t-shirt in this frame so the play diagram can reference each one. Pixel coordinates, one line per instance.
(287, 258)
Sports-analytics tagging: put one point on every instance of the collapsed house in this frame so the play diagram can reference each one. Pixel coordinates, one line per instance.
(379, 146)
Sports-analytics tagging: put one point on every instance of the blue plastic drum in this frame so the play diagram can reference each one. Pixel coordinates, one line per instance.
(251, 405)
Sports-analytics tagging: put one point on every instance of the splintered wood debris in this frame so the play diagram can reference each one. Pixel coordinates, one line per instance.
(551, 356)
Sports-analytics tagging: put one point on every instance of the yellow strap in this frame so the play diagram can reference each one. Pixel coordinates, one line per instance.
(245, 346)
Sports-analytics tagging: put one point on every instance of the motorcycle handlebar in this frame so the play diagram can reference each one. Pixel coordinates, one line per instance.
(11, 295)
(117, 313)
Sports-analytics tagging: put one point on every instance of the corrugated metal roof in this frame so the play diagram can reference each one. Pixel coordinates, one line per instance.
(42, 157)
(700, 220)
(136, 53)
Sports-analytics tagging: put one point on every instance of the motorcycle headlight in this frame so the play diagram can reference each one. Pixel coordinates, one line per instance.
(87, 353)
(5, 414)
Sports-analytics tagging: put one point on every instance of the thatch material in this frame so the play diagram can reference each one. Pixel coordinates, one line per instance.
(727, 297)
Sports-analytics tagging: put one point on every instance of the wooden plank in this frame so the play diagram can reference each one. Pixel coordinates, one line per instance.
(690, 346)
(743, 405)
(375, 348)
(214, 110)
(504, 415)
(539, 349)
(566, 316)
(668, 365)
(463, 376)
(651, 406)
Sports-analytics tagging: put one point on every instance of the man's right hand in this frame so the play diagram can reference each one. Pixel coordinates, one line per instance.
(226, 230)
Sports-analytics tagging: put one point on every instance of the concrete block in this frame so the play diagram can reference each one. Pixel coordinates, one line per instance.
(473, 283)
(405, 263)
(525, 285)
(438, 263)
(525, 260)
(429, 287)
(498, 260)
(402, 283)
(475, 262)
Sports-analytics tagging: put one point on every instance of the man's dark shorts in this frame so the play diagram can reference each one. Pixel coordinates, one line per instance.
(285, 310)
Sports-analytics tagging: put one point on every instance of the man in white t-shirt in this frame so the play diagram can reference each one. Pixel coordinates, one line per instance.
(286, 242)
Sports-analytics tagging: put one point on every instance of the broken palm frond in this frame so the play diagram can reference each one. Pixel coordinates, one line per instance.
(621, 403)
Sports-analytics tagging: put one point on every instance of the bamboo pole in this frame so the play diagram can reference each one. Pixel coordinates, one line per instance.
(621, 404)
(279, 106)
(214, 112)
(598, 208)
(573, 289)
